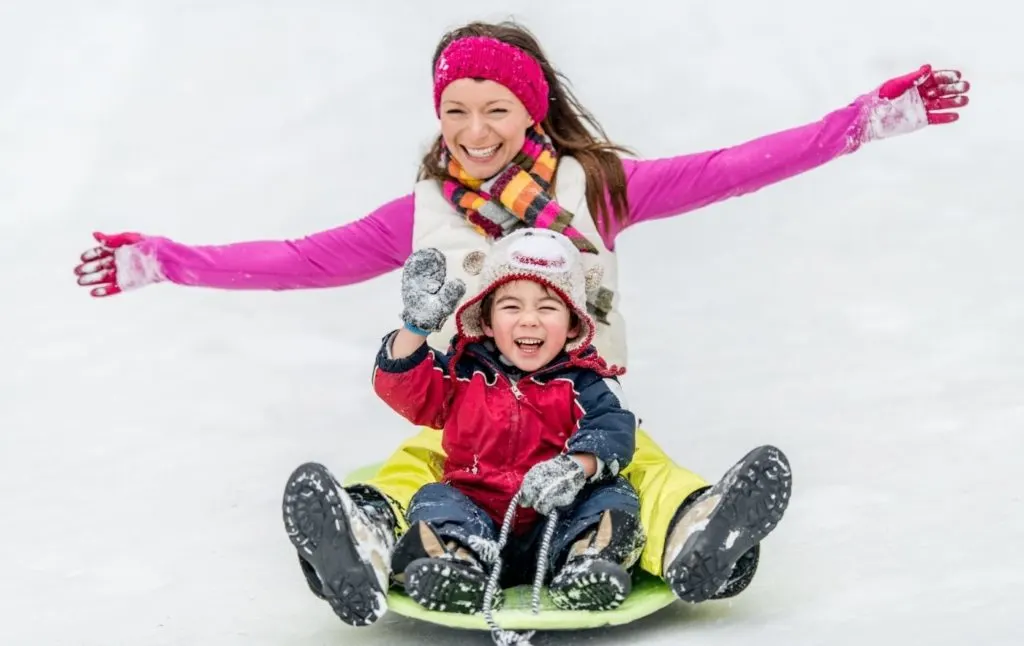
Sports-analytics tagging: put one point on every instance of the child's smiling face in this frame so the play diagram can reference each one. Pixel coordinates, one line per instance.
(529, 323)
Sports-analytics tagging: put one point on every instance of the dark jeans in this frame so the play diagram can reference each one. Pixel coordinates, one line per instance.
(455, 517)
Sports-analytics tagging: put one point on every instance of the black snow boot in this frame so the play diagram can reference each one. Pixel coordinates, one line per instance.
(595, 575)
(713, 547)
(344, 543)
(440, 574)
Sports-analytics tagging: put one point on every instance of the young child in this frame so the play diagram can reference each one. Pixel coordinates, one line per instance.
(526, 406)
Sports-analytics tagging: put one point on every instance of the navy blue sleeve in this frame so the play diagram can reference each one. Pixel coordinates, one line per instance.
(607, 429)
(385, 363)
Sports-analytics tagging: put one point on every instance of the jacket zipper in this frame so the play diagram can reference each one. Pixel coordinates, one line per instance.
(515, 433)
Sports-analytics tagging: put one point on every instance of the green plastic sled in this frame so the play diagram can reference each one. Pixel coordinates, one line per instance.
(649, 595)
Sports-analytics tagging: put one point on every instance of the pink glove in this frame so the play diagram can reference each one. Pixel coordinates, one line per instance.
(116, 265)
(915, 100)
(940, 90)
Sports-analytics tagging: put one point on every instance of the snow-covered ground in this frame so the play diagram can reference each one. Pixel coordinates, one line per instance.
(867, 317)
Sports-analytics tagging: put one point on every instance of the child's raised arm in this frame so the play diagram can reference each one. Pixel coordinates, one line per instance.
(409, 376)
(416, 386)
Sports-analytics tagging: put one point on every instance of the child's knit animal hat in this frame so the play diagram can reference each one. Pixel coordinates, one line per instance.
(543, 256)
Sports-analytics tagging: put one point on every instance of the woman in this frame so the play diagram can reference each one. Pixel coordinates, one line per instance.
(517, 149)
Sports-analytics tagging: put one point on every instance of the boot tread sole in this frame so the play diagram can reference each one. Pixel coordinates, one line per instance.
(752, 505)
(602, 586)
(445, 585)
(318, 527)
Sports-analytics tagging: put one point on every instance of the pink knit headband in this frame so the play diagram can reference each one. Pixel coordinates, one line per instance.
(494, 60)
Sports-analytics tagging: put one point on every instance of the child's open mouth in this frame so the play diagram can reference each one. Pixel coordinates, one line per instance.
(529, 345)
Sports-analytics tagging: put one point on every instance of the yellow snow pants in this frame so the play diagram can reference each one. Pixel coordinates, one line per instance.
(662, 485)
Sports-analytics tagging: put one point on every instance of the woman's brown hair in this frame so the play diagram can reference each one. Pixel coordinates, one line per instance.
(567, 125)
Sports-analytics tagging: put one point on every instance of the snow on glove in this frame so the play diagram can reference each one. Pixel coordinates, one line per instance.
(915, 100)
(552, 484)
(116, 265)
(428, 299)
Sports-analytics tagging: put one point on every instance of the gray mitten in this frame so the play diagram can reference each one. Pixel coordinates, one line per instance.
(552, 484)
(428, 299)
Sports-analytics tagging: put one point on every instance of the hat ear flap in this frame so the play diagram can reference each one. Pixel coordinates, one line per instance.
(473, 263)
(592, 278)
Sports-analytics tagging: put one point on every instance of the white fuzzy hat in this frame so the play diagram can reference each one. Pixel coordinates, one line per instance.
(543, 256)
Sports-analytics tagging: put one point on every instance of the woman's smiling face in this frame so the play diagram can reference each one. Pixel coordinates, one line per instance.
(483, 124)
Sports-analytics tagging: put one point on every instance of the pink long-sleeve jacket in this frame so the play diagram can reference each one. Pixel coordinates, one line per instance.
(381, 241)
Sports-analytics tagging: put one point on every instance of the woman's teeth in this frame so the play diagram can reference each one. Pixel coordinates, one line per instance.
(482, 152)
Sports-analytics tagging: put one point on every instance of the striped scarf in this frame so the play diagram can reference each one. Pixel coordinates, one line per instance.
(521, 189)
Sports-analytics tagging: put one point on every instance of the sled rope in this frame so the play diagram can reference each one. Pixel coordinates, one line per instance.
(491, 553)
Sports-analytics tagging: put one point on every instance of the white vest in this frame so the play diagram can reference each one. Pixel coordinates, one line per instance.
(437, 224)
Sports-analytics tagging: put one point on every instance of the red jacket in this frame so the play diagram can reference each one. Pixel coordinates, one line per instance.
(498, 422)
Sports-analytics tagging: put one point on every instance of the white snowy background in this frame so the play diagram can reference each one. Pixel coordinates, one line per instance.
(866, 317)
